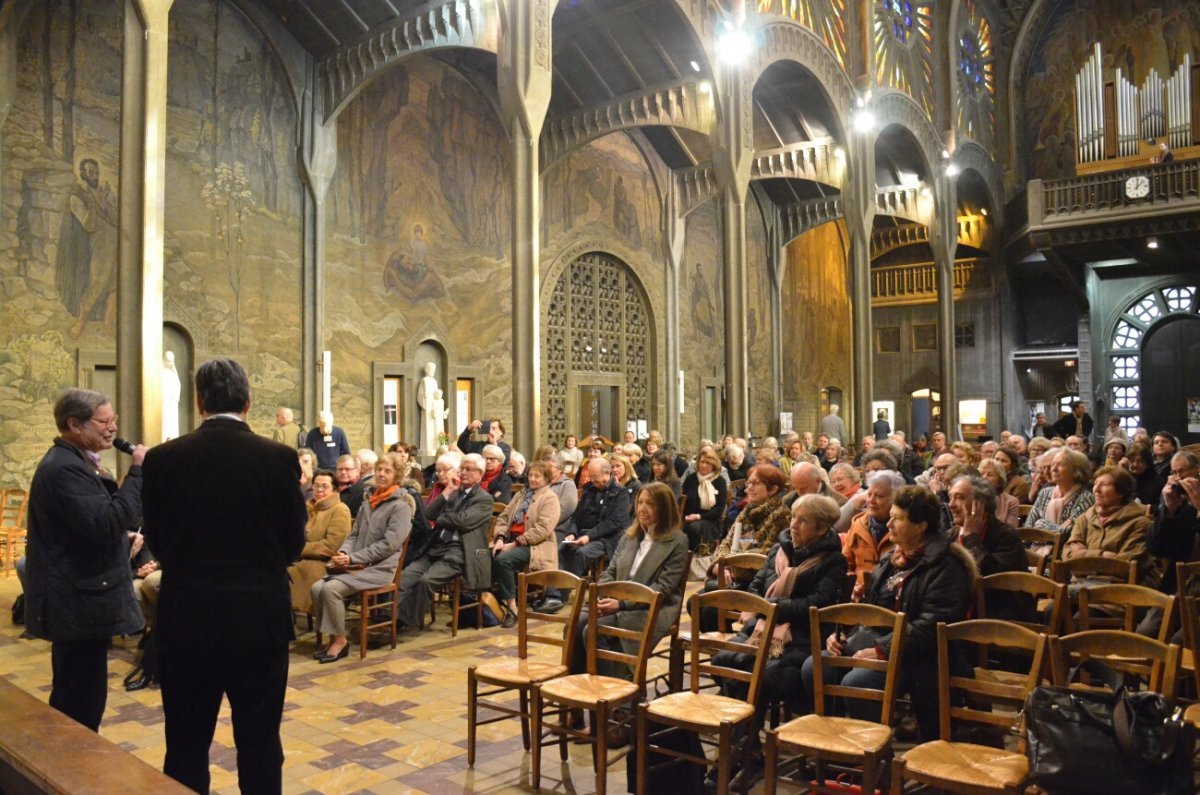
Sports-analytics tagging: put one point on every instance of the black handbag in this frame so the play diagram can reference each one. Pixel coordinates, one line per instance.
(1081, 741)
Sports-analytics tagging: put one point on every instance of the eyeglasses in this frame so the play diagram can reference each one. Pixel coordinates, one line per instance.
(468, 468)
(347, 469)
(109, 423)
(753, 483)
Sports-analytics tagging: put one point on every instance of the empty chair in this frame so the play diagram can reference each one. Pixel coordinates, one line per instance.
(1163, 658)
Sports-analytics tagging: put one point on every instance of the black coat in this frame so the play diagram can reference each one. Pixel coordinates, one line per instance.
(601, 515)
(79, 584)
(224, 514)
(691, 498)
(821, 586)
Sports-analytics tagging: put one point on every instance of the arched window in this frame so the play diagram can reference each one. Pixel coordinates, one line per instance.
(1124, 355)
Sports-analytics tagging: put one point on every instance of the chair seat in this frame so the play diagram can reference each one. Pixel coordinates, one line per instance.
(700, 709)
(1192, 715)
(588, 688)
(835, 735)
(967, 763)
(519, 672)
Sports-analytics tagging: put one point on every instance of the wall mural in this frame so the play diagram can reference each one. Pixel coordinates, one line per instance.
(417, 235)
(1134, 36)
(758, 323)
(58, 202)
(817, 326)
(232, 222)
(701, 312)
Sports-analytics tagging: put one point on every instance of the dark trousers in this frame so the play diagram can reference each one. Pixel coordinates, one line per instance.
(79, 688)
(193, 682)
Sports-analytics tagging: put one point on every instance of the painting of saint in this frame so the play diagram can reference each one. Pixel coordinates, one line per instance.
(86, 266)
(407, 274)
(705, 310)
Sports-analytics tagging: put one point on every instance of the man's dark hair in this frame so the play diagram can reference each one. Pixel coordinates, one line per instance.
(77, 404)
(222, 387)
(85, 161)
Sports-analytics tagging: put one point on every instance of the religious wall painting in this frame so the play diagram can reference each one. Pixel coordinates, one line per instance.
(758, 322)
(602, 188)
(1136, 37)
(701, 326)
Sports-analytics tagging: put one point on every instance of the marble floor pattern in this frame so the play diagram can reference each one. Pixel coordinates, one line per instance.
(394, 722)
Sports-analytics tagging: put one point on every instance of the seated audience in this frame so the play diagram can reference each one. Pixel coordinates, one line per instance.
(445, 473)
(735, 463)
(1113, 451)
(1164, 445)
(564, 489)
(1114, 526)
(792, 451)
(1139, 460)
(595, 450)
(368, 558)
(457, 545)
(622, 472)
(868, 541)
(471, 441)
(516, 469)
(637, 459)
(1173, 536)
(844, 480)
(349, 485)
(495, 480)
(993, 542)
(833, 454)
(572, 456)
(930, 580)
(524, 537)
(865, 446)
(965, 453)
(1008, 507)
(308, 466)
(1015, 484)
(653, 552)
(328, 526)
(988, 449)
(704, 500)
(1057, 508)
(662, 471)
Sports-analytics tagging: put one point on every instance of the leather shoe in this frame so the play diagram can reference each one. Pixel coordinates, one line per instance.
(143, 681)
(551, 606)
(510, 620)
(324, 659)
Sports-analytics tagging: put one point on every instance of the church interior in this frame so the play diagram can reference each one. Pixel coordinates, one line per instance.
(693, 216)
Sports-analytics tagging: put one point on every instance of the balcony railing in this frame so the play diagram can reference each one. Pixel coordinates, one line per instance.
(902, 285)
(1109, 196)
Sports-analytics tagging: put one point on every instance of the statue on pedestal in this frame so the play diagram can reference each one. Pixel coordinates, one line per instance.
(433, 410)
(170, 398)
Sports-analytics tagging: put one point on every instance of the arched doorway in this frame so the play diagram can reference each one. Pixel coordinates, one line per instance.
(598, 359)
(1170, 377)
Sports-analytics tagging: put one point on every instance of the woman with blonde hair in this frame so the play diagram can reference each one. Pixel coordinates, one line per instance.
(622, 472)
(704, 500)
(966, 454)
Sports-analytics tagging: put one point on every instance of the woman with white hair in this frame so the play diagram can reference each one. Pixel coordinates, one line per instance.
(1056, 508)
(495, 480)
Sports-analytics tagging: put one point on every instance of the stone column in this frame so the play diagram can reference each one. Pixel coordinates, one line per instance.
(318, 161)
(140, 220)
(777, 253)
(524, 83)
(943, 239)
(858, 201)
(733, 153)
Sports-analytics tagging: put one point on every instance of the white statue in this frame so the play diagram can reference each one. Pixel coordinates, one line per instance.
(433, 410)
(170, 397)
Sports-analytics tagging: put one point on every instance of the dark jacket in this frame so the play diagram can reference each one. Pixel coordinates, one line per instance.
(601, 515)
(1173, 537)
(225, 543)
(821, 586)
(691, 498)
(467, 446)
(352, 497)
(328, 450)
(78, 577)
(998, 549)
(470, 518)
(643, 471)
(501, 488)
(1066, 425)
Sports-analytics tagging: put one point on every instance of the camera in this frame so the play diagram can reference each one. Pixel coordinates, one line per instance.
(1177, 490)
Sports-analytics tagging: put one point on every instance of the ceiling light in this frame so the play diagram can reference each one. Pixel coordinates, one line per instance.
(983, 211)
(695, 66)
(705, 87)
(945, 154)
(951, 170)
(734, 46)
(1152, 242)
(864, 121)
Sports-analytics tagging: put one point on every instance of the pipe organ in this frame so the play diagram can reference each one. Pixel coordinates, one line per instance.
(1156, 110)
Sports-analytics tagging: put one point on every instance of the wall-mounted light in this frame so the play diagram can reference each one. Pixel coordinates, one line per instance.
(951, 170)
(864, 121)
(1152, 242)
(734, 45)
(983, 211)
(839, 152)
(705, 87)
(1069, 363)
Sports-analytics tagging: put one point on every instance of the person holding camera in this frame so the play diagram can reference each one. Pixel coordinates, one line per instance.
(481, 433)
(1177, 522)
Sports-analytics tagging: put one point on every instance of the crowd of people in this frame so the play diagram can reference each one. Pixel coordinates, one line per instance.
(909, 527)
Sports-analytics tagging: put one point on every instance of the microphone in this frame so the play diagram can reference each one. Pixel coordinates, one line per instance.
(123, 445)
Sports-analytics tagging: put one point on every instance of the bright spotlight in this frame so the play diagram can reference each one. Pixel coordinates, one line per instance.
(705, 87)
(839, 152)
(1152, 242)
(864, 121)
(695, 66)
(734, 46)
(951, 170)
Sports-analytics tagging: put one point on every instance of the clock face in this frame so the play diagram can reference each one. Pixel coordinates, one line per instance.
(1137, 187)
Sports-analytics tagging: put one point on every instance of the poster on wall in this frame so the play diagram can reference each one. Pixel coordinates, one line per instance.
(1193, 409)
(785, 421)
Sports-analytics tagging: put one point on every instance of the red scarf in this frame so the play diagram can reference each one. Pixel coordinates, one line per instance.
(379, 496)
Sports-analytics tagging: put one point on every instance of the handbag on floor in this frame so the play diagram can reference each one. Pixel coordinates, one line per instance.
(1081, 741)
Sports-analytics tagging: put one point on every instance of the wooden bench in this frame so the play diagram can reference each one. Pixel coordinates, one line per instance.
(42, 750)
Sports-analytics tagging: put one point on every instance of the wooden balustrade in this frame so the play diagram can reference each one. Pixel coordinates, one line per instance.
(899, 285)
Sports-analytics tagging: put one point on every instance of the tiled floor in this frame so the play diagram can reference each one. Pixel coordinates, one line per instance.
(394, 722)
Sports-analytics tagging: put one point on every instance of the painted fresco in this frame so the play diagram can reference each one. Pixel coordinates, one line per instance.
(758, 324)
(58, 201)
(418, 235)
(701, 313)
(232, 222)
(817, 325)
(1134, 36)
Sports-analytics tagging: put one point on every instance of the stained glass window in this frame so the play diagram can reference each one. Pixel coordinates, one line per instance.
(1126, 336)
(975, 100)
(904, 48)
(826, 18)
(1146, 310)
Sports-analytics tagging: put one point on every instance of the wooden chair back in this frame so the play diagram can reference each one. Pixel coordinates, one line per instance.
(1038, 588)
(1116, 569)
(1036, 535)
(1190, 619)
(565, 641)
(1185, 575)
(705, 646)
(635, 594)
(1024, 510)
(13, 504)
(1037, 563)
(1164, 658)
(1131, 598)
(752, 561)
(982, 691)
(852, 615)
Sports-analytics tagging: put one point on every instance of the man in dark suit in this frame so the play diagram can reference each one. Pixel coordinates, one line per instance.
(1077, 423)
(224, 610)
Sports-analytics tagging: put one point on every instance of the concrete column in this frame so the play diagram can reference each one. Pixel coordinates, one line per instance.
(318, 161)
(524, 83)
(676, 226)
(733, 153)
(140, 220)
(777, 253)
(943, 239)
(858, 198)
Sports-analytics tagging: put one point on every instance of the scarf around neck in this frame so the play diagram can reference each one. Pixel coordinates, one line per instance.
(378, 496)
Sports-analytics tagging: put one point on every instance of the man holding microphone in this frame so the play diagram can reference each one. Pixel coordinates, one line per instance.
(80, 586)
